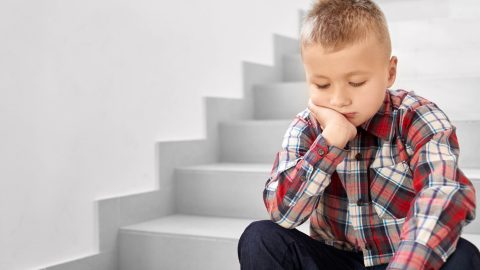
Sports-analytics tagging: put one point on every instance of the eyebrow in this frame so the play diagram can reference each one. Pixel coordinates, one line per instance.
(346, 75)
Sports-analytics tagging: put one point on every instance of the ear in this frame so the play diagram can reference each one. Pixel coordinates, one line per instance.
(392, 71)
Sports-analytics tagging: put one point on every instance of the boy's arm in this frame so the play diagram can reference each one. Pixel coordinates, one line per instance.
(445, 200)
(300, 173)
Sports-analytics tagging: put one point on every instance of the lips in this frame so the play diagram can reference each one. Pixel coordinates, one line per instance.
(349, 114)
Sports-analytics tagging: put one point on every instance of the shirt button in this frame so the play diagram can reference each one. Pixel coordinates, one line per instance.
(321, 151)
(361, 201)
(358, 156)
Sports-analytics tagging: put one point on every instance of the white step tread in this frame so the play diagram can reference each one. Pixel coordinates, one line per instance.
(214, 227)
(471, 173)
(230, 167)
(258, 122)
(193, 226)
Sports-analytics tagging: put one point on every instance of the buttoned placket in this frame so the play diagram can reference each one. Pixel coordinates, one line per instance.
(363, 199)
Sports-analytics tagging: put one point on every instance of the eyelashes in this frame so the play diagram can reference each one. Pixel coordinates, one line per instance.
(357, 84)
(352, 84)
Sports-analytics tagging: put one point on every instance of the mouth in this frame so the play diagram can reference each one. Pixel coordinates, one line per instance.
(349, 115)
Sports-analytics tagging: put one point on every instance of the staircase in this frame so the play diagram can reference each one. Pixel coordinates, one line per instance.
(215, 200)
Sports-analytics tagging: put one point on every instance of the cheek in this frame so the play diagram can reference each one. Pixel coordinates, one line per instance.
(318, 98)
(373, 100)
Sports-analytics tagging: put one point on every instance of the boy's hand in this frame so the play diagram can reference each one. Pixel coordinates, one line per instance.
(337, 130)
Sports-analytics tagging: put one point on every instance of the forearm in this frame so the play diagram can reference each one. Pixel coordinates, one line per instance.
(291, 193)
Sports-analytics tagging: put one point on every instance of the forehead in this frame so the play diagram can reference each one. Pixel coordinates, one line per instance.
(358, 58)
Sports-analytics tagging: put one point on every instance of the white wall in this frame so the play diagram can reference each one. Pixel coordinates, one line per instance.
(88, 87)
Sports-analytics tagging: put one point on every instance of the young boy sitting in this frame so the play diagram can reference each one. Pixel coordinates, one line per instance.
(375, 170)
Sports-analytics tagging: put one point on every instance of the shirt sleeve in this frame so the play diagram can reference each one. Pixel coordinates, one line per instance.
(445, 197)
(300, 173)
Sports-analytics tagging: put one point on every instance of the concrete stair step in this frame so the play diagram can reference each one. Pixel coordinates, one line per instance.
(411, 10)
(257, 141)
(422, 9)
(463, 9)
(235, 190)
(250, 141)
(190, 242)
(222, 189)
(181, 242)
(284, 100)
(443, 34)
(216, 202)
(411, 64)
(438, 62)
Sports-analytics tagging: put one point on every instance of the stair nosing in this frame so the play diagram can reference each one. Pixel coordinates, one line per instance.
(163, 226)
(472, 173)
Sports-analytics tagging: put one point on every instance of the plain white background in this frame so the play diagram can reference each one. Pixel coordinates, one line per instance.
(88, 87)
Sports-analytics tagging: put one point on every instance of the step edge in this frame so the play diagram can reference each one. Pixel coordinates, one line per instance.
(176, 235)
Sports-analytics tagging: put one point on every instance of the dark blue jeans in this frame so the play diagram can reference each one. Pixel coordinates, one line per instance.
(266, 245)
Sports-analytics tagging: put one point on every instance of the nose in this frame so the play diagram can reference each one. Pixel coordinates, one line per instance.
(340, 99)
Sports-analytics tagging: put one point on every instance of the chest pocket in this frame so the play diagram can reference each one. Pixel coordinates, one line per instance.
(392, 190)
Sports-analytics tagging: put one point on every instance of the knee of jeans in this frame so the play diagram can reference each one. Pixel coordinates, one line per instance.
(468, 249)
(255, 233)
(259, 228)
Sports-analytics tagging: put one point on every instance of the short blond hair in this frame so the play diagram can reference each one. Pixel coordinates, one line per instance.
(336, 23)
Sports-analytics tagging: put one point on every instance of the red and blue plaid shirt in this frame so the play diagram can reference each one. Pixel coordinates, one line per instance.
(395, 191)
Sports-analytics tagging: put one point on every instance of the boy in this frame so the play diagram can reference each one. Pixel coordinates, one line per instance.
(374, 169)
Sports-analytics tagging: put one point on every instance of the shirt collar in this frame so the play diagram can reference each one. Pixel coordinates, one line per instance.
(381, 124)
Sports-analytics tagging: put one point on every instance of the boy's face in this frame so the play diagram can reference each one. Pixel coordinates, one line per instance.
(352, 79)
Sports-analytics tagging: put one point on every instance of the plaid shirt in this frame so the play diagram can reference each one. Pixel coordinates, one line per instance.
(395, 191)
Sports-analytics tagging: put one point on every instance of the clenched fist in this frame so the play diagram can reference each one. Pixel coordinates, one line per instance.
(337, 130)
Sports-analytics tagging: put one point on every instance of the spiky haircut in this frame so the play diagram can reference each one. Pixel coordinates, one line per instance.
(335, 24)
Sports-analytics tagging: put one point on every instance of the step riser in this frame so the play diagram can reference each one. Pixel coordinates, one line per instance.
(467, 135)
(256, 143)
(150, 251)
(250, 143)
(410, 64)
(422, 9)
(410, 10)
(464, 9)
(225, 194)
(196, 196)
(442, 34)
(280, 101)
(153, 252)
(474, 227)
(284, 101)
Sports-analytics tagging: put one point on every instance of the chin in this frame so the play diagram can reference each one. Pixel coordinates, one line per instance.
(357, 123)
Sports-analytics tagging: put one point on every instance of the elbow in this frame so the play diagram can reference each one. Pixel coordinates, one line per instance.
(276, 215)
(283, 221)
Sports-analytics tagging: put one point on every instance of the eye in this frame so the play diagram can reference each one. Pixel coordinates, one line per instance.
(322, 86)
(357, 84)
